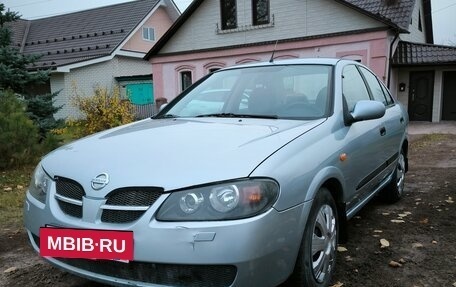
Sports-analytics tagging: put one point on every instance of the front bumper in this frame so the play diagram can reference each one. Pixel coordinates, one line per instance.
(257, 251)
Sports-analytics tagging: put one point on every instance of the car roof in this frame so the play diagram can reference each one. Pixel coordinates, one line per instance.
(300, 61)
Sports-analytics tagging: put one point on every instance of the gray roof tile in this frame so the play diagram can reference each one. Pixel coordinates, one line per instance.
(398, 12)
(408, 53)
(75, 37)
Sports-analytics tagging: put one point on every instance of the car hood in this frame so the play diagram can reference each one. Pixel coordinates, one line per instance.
(174, 153)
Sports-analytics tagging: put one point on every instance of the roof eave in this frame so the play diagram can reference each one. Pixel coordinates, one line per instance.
(377, 17)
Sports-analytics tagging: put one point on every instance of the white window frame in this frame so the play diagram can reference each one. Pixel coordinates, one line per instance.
(150, 34)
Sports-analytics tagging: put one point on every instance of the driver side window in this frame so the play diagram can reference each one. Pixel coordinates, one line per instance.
(353, 87)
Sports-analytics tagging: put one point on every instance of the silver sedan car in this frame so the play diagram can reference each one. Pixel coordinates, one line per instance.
(247, 178)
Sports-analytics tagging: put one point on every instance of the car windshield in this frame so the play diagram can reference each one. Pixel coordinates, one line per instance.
(275, 91)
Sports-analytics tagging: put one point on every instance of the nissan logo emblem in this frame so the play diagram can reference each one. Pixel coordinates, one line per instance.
(100, 181)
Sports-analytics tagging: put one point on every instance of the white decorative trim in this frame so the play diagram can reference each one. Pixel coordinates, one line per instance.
(132, 54)
(68, 68)
(244, 27)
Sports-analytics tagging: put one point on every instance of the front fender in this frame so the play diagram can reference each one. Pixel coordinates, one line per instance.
(321, 177)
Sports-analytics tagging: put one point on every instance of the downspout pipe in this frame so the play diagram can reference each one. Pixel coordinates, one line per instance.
(390, 62)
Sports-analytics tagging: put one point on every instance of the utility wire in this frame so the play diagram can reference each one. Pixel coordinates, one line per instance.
(443, 8)
(30, 3)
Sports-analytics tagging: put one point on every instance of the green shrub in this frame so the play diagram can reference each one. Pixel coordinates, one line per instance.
(18, 134)
(101, 111)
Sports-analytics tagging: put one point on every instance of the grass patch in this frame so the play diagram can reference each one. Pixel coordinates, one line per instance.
(428, 139)
(13, 185)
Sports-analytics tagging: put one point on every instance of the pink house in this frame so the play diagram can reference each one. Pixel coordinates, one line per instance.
(212, 34)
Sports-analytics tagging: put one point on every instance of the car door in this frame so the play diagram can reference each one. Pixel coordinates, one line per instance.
(363, 141)
(393, 120)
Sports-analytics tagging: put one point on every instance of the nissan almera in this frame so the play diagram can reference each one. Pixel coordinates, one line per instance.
(245, 179)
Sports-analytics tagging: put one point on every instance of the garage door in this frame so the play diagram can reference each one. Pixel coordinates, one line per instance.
(449, 96)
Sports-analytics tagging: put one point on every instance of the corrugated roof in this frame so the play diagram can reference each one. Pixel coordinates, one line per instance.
(88, 34)
(410, 54)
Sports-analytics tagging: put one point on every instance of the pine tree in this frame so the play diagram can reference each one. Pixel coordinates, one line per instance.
(13, 65)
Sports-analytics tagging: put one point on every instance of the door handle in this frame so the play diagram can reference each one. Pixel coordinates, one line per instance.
(382, 131)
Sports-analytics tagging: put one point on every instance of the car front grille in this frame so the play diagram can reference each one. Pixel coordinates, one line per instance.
(128, 204)
(122, 205)
(69, 195)
(165, 274)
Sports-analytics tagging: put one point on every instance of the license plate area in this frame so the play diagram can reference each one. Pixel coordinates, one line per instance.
(86, 243)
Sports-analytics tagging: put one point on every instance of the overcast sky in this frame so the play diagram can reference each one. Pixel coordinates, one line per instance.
(443, 12)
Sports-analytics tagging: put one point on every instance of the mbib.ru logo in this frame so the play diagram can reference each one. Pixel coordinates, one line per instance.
(82, 243)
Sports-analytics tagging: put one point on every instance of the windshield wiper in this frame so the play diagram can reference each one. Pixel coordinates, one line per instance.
(233, 115)
(169, 116)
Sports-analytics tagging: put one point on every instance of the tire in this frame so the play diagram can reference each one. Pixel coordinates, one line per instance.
(317, 254)
(394, 191)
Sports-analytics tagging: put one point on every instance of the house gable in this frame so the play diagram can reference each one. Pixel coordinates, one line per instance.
(289, 19)
(417, 25)
(158, 23)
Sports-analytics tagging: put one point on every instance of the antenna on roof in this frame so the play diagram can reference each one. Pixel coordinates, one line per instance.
(273, 52)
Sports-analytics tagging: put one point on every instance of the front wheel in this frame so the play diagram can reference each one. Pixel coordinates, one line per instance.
(317, 255)
(395, 189)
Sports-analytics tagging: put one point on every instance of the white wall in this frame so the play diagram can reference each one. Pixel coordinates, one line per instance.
(85, 79)
(292, 19)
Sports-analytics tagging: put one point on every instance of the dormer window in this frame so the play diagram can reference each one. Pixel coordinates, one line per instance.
(228, 12)
(260, 12)
(148, 34)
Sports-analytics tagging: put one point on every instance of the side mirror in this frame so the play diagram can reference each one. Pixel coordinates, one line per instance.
(162, 107)
(367, 110)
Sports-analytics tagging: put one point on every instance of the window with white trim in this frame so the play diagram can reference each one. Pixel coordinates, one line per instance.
(185, 79)
(148, 33)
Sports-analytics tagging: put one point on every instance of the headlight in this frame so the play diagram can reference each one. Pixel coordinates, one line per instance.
(39, 185)
(231, 200)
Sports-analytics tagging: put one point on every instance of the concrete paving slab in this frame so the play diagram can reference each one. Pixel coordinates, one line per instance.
(444, 127)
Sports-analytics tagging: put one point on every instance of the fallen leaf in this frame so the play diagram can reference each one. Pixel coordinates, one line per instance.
(342, 249)
(424, 221)
(405, 214)
(434, 242)
(7, 188)
(397, 221)
(338, 284)
(394, 264)
(417, 245)
(19, 186)
(378, 231)
(454, 284)
(385, 213)
(11, 269)
(348, 258)
(402, 261)
(384, 243)
(449, 200)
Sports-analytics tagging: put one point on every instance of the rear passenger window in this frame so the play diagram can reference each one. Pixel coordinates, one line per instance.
(353, 87)
(389, 98)
(374, 86)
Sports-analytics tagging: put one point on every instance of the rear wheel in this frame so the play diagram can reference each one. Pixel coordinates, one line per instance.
(317, 255)
(395, 189)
